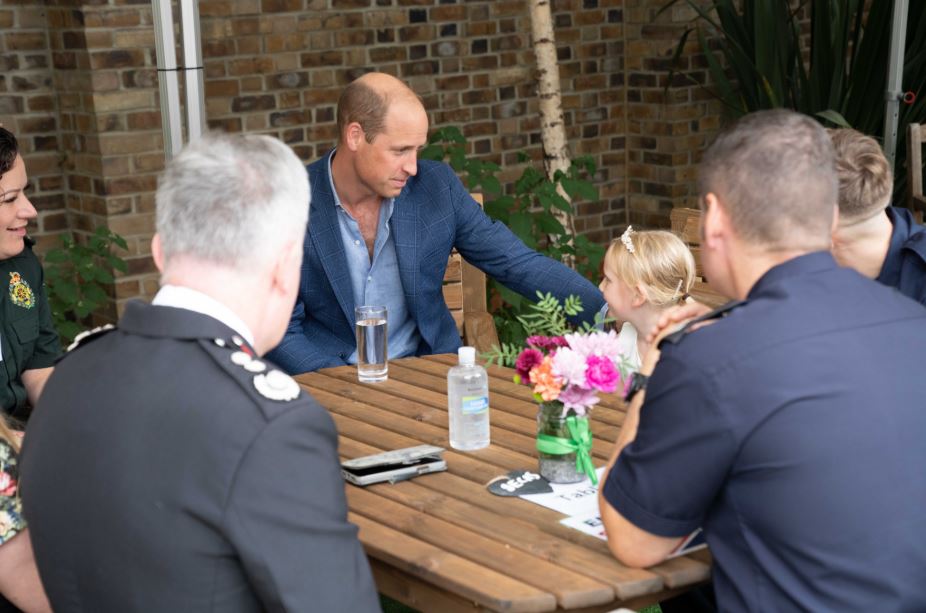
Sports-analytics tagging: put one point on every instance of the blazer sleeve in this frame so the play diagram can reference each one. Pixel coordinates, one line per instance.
(298, 353)
(493, 248)
(286, 516)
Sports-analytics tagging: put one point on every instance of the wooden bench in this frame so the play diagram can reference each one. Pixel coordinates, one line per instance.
(916, 201)
(465, 295)
(686, 223)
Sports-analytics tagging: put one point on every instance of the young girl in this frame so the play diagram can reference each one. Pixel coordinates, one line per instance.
(645, 273)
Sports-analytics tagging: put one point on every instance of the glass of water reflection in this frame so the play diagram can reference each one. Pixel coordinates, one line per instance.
(372, 355)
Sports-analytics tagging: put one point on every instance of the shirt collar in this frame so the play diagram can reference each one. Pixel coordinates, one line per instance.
(186, 298)
(808, 263)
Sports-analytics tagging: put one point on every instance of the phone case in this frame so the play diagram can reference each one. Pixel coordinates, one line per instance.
(392, 466)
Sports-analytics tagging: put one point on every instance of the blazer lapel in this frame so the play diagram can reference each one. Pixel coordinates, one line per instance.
(326, 236)
(405, 235)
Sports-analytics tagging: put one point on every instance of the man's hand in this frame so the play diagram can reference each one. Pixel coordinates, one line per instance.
(674, 316)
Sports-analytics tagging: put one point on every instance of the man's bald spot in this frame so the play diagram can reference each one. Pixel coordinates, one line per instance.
(386, 86)
(367, 100)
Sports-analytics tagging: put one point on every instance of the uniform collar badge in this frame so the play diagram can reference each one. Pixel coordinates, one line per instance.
(276, 385)
(20, 292)
(273, 385)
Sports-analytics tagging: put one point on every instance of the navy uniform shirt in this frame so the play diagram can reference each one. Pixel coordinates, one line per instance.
(793, 431)
(905, 264)
(28, 338)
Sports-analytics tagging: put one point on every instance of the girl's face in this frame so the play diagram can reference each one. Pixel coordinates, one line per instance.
(618, 295)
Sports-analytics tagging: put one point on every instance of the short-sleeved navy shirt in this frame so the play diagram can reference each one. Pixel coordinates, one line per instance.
(905, 264)
(794, 431)
(28, 338)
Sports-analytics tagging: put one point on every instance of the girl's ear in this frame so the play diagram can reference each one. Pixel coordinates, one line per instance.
(640, 295)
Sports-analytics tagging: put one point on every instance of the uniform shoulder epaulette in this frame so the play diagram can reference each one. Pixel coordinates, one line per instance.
(718, 313)
(266, 380)
(88, 336)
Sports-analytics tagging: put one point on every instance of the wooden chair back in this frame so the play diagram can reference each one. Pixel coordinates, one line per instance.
(686, 223)
(916, 200)
(465, 295)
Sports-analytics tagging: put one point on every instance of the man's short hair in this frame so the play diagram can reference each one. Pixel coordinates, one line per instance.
(362, 104)
(865, 178)
(232, 200)
(774, 173)
(9, 149)
(367, 105)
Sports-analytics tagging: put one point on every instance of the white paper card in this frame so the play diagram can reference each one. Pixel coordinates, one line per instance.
(570, 498)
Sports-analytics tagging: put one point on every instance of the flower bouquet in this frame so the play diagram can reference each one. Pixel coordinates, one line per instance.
(566, 370)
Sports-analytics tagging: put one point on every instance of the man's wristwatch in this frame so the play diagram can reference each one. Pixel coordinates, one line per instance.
(637, 383)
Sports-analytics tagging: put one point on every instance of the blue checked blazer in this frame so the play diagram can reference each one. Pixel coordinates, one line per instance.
(433, 214)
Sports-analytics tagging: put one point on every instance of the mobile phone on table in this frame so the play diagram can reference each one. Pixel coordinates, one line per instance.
(395, 465)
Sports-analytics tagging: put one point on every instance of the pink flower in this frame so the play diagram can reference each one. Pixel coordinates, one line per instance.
(596, 343)
(529, 358)
(546, 343)
(601, 374)
(578, 399)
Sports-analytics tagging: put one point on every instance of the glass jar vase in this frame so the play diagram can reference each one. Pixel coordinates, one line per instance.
(556, 468)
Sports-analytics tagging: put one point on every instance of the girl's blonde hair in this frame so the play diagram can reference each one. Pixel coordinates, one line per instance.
(656, 259)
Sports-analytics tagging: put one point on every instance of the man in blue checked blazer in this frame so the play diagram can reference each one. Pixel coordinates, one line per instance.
(381, 227)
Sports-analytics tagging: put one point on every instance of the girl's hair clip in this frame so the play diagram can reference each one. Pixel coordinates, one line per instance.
(628, 242)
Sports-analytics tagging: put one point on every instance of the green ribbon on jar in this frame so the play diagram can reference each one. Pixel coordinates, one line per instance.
(580, 444)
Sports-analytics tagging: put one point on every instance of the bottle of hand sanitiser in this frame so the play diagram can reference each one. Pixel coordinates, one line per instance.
(468, 396)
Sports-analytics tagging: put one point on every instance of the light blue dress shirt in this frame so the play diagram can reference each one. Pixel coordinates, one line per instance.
(377, 282)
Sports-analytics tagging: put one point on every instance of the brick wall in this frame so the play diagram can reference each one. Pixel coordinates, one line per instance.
(277, 67)
(666, 129)
(29, 109)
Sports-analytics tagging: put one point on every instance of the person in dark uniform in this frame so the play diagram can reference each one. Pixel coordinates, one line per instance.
(791, 429)
(168, 467)
(29, 343)
(882, 242)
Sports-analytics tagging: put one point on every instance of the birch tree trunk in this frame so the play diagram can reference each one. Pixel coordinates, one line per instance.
(552, 127)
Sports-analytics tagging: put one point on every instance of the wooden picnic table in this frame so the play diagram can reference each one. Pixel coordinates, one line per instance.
(442, 542)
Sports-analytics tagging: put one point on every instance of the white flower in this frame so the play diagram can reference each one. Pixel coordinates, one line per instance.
(570, 366)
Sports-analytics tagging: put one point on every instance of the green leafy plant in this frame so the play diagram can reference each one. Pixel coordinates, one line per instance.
(756, 61)
(546, 317)
(76, 275)
(528, 208)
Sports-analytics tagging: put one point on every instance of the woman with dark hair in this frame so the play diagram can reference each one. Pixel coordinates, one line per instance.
(29, 342)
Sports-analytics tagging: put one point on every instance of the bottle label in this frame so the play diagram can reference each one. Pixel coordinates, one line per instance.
(472, 405)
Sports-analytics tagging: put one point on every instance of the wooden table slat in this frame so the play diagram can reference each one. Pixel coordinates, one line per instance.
(470, 580)
(524, 535)
(571, 590)
(681, 571)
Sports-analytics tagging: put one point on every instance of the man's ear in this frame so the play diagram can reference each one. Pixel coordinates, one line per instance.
(715, 223)
(288, 260)
(354, 135)
(156, 252)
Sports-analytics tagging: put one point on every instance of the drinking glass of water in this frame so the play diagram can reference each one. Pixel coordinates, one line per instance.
(372, 356)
